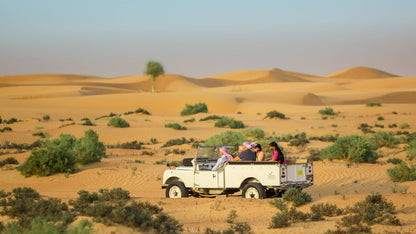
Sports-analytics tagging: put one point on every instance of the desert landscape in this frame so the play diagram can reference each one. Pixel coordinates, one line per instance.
(247, 96)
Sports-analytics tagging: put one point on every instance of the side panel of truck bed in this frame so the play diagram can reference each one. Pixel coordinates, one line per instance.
(267, 174)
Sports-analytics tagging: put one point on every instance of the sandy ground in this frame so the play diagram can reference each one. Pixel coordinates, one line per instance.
(253, 93)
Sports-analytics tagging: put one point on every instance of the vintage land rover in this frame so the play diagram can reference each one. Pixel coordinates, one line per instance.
(253, 178)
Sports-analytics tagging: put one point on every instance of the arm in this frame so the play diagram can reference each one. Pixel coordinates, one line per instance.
(275, 153)
(235, 159)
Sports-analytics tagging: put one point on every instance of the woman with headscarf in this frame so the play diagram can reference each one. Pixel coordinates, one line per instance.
(277, 153)
(225, 157)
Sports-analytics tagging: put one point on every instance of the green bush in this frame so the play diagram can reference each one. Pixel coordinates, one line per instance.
(142, 111)
(118, 122)
(402, 172)
(87, 122)
(300, 139)
(351, 147)
(404, 126)
(275, 115)
(5, 129)
(128, 145)
(189, 120)
(175, 126)
(296, 196)
(380, 118)
(325, 138)
(55, 157)
(40, 134)
(9, 160)
(279, 204)
(314, 155)
(394, 160)
(327, 111)
(210, 117)
(177, 141)
(280, 220)
(194, 109)
(88, 149)
(12, 120)
(46, 117)
(326, 209)
(235, 227)
(253, 133)
(384, 139)
(230, 122)
(227, 138)
(365, 128)
(373, 104)
(411, 149)
(106, 116)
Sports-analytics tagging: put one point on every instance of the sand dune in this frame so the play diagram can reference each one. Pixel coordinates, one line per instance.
(360, 73)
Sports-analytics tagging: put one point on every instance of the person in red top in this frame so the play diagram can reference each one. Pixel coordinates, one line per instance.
(277, 153)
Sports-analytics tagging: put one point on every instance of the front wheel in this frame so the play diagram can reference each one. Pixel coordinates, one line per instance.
(176, 189)
(253, 190)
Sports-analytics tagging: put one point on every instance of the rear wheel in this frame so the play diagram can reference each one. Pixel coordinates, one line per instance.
(176, 189)
(253, 190)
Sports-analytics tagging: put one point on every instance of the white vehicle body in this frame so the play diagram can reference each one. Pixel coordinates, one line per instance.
(255, 179)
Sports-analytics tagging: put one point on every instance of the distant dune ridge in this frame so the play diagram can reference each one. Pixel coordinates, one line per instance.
(255, 88)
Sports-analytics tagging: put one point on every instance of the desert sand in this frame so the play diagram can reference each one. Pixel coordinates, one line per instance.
(244, 95)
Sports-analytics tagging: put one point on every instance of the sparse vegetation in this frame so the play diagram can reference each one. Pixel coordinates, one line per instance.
(314, 155)
(373, 104)
(9, 160)
(210, 117)
(6, 129)
(365, 128)
(226, 138)
(229, 122)
(404, 126)
(12, 120)
(39, 134)
(235, 227)
(327, 111)
(300, 140)
(380, 118)
(189, 120)
(194, 109)
(384, 139)
(128, 145)
(87, 122)
(88, 149)
(326, 138)
(178, 141)
(326, 209)
(253, 133)
(46, 117)
(175, 126)
(275, 115)
(296, 196)
(118, 122)
(402, 172)
(106, 116)
(394, 160)
(411, 149)
(351, 147)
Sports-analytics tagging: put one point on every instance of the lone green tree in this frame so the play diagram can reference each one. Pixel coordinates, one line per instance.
(154, 69)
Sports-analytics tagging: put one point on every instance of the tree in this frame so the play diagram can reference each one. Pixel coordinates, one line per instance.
(154, 69)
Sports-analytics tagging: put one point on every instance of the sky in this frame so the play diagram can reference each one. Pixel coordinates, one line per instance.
(201, 38)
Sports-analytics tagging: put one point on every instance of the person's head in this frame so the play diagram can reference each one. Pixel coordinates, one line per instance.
(246, 145)
(257, 148)
(273, 146)
(223, 151)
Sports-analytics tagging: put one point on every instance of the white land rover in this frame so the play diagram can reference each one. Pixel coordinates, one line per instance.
(254, 179)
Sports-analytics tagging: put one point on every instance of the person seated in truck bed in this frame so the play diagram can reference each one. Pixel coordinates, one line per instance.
(246, 154)
(225, 157)
(259, 153)
(277, 153)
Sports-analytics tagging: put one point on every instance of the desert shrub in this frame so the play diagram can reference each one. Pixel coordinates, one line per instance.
(411, 149)
(6, 129)
(324, 117)
(189, 120)
(314, 155)
(161, 162)
(402, 172)
(327, 111)
(279, 204)
(326, 209)
(39, 134)
(87, 122)
(1, 120)
(210, 117)
(196, 144)
(106, 116)
(175, 126)
(36, 225)
(275, 115)
(25, 204)
(118, 122)
(55, 156)
(253, 133)
(380, 118)
(128, 145)
(280, 220)
(350, 224)
(394, 160)
(177, 141)
(66, 125)
(235, 227)
(285, 137)
(153, 141)
(404, 126)
(227, 138)
(326, 138)
(9, 160)
(296, 196)
(300, 139)
(194, 109)
(384, 139)
(12, 120)
(46, 117)
(88, 149)
(373, 104)
(149, 153)
(378, 125)
(142, 111)
(392, 125)
(365, 128)
(84, 227)
(24, 146)
(229, 122)
(175, 163)
(351, 147)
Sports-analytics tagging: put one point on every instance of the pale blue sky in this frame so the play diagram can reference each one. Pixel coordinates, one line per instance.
(201, 38)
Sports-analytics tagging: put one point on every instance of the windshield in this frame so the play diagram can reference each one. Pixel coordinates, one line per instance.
(211, 152)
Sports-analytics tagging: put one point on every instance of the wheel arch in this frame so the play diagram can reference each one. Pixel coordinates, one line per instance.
(173, 178)
(249, 180)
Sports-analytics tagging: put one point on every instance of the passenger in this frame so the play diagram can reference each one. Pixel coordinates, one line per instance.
(225, 157)
(277, 153)
(246, 154)
(259, 153)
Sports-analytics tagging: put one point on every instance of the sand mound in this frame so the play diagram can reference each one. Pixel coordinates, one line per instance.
(360, 73)
(47, 79)
(387, 83)
(171, 82)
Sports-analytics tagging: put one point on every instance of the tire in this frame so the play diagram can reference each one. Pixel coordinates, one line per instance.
(253, 190)
(176, 189)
